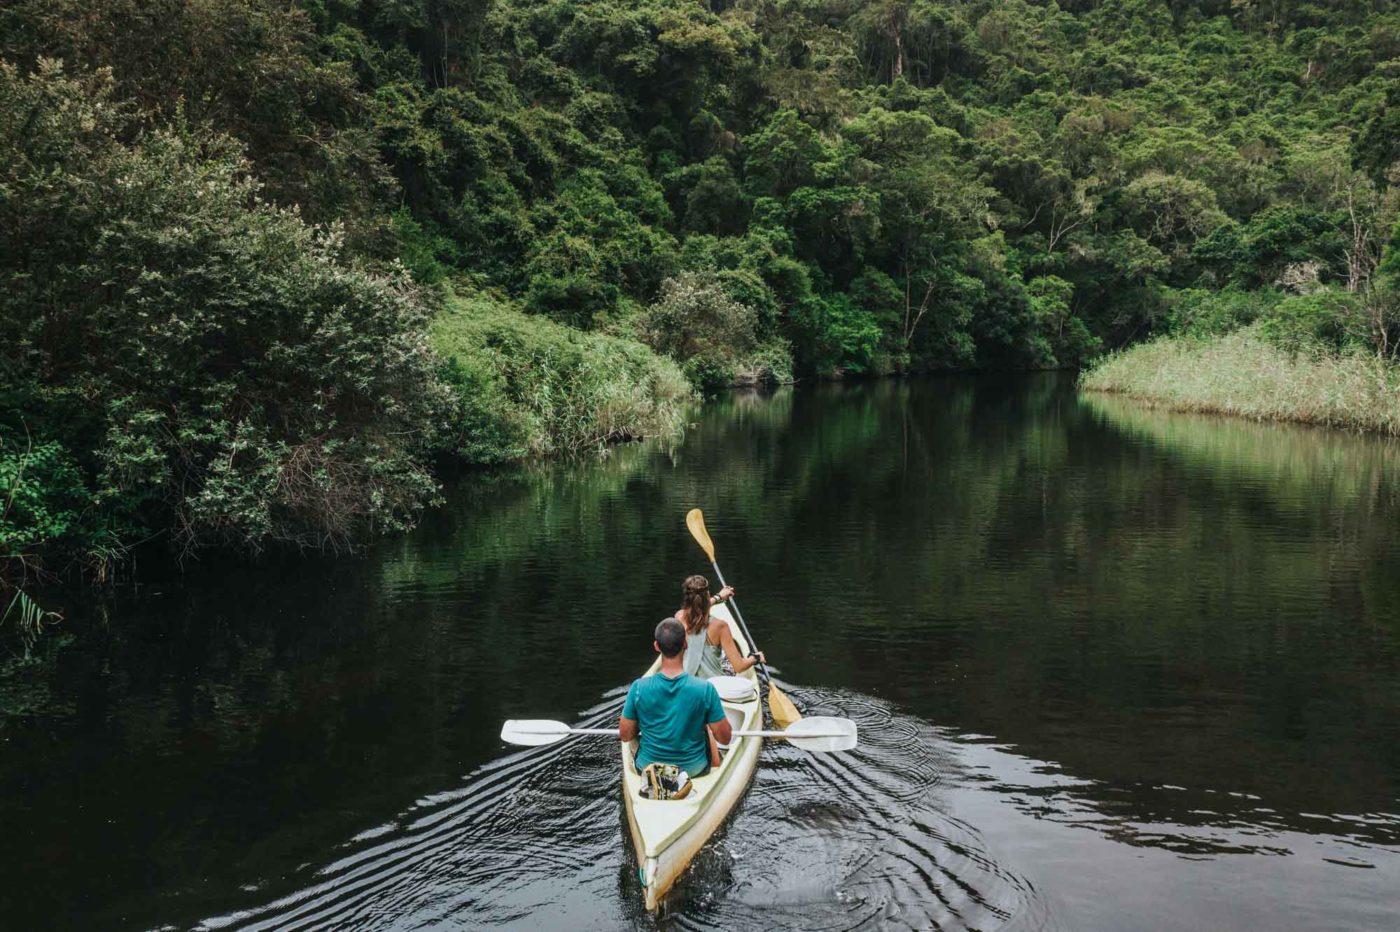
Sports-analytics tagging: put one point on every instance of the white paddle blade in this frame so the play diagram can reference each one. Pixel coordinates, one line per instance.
(822, 733)
(533, 731)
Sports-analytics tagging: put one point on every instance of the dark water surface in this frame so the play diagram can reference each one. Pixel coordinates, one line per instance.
(1114, 669)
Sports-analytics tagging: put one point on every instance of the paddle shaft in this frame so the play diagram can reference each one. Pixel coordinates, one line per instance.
(605, 732)
(738, 616)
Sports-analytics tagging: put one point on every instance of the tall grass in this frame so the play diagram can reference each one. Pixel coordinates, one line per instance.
(1242, 374)
(527, 386)
(1293, 464)
(30, 618)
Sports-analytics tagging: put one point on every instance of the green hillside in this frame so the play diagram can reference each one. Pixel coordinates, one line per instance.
(270, 265)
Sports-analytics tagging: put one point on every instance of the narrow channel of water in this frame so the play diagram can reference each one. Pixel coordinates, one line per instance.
(1114, 668)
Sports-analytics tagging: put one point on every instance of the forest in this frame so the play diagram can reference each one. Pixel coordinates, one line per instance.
(270, 268)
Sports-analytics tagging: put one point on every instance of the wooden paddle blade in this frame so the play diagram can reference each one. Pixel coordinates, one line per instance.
(533, 731)
(822, 733)
(781, 708)
(695, 520)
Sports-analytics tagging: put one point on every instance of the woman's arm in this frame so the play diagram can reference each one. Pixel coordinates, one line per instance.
(738, 661)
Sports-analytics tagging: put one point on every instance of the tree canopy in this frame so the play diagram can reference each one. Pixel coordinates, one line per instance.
(228, 223)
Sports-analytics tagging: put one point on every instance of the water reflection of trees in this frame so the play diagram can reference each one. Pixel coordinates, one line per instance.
(1000, 529)
(1147, 599)
(1222, 616)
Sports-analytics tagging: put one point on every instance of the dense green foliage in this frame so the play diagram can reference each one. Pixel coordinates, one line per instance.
(181, 354)
(697, 322)
(529, 386)
(228, 223)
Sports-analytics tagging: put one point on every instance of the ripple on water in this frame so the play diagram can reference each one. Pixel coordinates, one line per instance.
(820, 842)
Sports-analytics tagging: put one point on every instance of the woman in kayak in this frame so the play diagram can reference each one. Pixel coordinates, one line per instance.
(708, 640)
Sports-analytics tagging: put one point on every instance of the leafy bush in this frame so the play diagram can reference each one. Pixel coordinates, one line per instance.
(526, 386)
(697, 323)
(428, 254)
(1200, 312)
(1061, 335)
(1331, 320)
(1257, 253)
(769, 364)
(42, 497)
(240, 379)
(838, 335)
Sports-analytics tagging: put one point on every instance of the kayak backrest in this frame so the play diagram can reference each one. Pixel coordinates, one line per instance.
(733, 688)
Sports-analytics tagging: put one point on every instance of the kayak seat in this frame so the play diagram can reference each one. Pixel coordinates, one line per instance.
(733, 688)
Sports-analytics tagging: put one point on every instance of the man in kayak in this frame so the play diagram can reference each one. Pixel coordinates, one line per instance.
(677, 716)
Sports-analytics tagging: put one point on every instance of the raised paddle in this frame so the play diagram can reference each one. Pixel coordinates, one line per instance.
(779, 705)
(818, 733)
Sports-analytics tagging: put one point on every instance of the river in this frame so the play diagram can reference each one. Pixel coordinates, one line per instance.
(1114, 668)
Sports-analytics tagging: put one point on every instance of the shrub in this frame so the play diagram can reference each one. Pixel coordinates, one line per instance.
(698, 324)
(1061, 335)
(227, 371)
(1200, 312)
(769, 364)
(525, 385)
(1330, 320)
(42, 497)
(835, 335)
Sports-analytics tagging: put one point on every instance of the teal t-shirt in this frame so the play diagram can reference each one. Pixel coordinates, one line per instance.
(672, 714)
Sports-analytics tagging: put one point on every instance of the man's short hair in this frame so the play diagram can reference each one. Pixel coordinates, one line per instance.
(670, 637)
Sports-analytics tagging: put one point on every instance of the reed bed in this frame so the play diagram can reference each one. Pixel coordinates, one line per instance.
(1244, 375)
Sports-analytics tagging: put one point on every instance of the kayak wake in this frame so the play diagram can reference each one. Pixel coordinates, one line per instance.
(538, 836)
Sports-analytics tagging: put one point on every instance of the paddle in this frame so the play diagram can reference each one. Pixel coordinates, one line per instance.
(818, 733)
(779, 705)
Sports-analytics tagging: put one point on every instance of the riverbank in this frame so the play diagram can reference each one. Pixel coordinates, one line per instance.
(1242, 374)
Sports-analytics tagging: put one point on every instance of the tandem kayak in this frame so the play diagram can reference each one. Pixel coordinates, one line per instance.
(667, 834)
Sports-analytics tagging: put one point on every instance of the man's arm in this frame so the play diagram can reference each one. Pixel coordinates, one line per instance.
(627, 728)
(627, 724)
(722, 730)
(714, 717)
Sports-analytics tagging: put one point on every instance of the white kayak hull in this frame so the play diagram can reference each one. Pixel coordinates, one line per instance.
(668, 834)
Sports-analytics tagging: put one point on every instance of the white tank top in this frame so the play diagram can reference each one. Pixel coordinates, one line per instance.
(702, 658)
